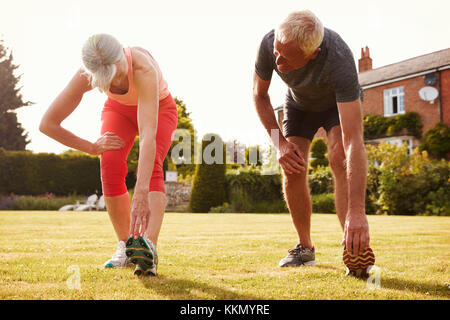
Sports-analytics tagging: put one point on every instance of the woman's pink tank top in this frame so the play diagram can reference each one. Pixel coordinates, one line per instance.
(131, 97)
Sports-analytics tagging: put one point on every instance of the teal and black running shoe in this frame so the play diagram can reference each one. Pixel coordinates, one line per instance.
(142, 252)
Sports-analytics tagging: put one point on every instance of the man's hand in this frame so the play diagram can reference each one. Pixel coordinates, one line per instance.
(108, 141)
(140, 214)
(291, 159)
(356, 233)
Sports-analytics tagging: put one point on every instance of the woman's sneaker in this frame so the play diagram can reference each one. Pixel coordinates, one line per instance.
(119, 258)
(299, 256)
(142, 252)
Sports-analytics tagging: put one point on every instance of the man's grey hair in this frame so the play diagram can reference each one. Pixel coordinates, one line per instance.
(303, 27)
(100, 53)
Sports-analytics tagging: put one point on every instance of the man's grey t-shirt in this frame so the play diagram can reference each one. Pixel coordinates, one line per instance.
(328, 79)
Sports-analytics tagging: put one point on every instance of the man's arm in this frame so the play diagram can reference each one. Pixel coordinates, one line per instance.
(356, 234)
(291, 159)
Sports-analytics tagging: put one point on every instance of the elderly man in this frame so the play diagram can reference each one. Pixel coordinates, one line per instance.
(323, 91)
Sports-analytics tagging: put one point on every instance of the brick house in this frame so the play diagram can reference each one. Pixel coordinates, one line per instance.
(394, 89)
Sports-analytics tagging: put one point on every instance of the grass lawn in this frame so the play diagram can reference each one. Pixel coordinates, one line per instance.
(219, 256)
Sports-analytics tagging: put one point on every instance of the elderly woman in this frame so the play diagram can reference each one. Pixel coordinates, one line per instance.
(138, 103)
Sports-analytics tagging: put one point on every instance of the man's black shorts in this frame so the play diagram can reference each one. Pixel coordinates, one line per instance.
(306, 123)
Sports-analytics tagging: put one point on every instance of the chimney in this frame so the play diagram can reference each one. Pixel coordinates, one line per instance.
(365, 63)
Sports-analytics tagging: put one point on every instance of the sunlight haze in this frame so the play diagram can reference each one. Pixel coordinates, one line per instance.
(206, 51)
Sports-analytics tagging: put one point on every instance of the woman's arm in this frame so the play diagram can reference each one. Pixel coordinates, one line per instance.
(64, 104)
(146, 81)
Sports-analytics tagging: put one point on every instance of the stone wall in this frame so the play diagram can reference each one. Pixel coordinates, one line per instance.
(177, 196)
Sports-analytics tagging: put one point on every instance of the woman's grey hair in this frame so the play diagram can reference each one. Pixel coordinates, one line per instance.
(100, 53)
(303, 27)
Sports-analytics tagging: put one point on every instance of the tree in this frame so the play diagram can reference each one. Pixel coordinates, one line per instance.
(253, 156)
(318, 152)
(437, 141)
(208, 188)
(184, 122)
(12, 135)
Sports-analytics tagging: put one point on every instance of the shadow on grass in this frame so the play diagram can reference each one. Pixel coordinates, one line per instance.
(416, 287)
(182, 289)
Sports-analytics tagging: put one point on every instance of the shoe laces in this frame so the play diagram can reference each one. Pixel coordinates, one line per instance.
(297, 250)
(120, 251)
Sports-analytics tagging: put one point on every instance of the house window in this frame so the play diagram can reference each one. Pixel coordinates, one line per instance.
(394, 101)
(401, 141)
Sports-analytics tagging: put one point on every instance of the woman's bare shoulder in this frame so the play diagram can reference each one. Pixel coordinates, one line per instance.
(79, 83)
(142, 60)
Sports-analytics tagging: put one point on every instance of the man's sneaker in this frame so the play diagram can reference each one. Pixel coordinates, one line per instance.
(119, 258)
(299, 256)
(358, 266)
(142, 252)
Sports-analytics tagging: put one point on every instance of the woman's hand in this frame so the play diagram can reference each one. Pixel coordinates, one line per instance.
(108, 141)
(140, 214)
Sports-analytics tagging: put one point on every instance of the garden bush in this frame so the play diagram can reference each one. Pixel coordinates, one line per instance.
(408, 184)
(320, 180)
(436, 141)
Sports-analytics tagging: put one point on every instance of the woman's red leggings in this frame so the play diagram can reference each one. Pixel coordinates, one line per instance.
(122, 121)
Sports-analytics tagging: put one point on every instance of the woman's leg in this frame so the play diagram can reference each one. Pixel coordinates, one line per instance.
(119, 213)
(114, 170)
(157, 201)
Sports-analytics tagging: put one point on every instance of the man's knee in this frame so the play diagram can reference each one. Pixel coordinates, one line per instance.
(295, 180)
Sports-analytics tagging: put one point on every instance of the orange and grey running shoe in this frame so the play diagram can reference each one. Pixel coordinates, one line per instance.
(298, 257)
(359, 266)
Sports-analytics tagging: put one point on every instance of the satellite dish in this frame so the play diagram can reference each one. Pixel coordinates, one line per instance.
(428, 94)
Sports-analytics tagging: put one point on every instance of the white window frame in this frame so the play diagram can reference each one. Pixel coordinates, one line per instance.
(388, 96)
(400, 141)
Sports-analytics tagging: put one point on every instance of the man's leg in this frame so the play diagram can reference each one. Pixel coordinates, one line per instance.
(336, 157)
(296, 192)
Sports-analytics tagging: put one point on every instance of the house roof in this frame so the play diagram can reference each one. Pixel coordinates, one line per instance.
(403, 68)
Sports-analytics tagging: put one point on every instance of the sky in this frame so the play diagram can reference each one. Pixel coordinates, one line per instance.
(206, 51)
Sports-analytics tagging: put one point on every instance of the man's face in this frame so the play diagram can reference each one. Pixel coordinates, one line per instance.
(290, 57)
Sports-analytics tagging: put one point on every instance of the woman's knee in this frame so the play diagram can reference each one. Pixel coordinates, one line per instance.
(113, 167)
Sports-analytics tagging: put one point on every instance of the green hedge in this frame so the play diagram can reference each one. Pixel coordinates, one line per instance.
(323, 203)
(46, 202)
(249, 191)
(27, 173)
(376, 126)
